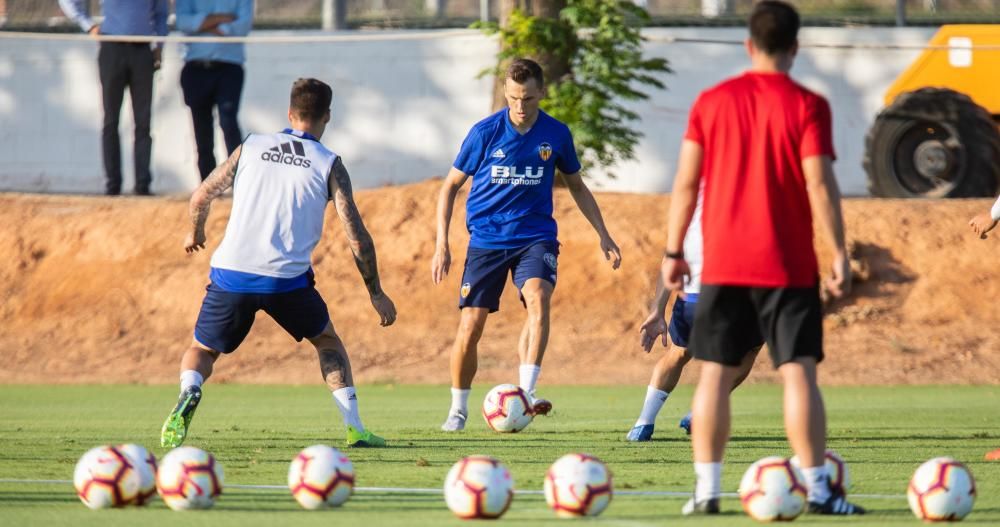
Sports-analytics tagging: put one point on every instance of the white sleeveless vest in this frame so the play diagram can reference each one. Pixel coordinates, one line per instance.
(279, 200)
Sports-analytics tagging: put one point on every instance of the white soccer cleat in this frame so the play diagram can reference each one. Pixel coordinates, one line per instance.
(455, 422)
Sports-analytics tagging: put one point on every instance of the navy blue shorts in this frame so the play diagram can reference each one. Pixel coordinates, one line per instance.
(681, 319)
(486, 271)
(225, 317)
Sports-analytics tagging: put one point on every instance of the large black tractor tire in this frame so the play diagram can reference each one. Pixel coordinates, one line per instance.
(933, 143)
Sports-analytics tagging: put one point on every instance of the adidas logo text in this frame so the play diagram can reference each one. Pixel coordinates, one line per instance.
(499, 154)
(290, 153)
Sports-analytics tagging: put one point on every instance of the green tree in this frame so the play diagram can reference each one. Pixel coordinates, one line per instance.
(600, 44)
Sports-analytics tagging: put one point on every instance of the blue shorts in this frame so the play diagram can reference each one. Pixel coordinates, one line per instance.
(486, 271)
(225, 317)
(682, 319)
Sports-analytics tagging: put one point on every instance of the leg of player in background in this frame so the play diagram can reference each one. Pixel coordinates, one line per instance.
(464, 362)
(335, 366)
(805, 424)
(745, 367)
(196, 367)
(709, 434)
(537, 295)
(666, 374)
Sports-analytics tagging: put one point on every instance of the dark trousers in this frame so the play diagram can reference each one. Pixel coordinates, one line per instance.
(124, 65)
(208, 84)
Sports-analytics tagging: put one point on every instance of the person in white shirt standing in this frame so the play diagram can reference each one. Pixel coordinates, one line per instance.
(281, 184)
(667, 371)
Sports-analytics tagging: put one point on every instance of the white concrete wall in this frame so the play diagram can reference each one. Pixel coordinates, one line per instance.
(401, 108)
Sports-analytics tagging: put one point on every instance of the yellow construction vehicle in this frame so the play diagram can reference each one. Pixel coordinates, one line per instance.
(938, 135)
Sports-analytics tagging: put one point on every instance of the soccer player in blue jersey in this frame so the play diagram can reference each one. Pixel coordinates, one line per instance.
(512, 157)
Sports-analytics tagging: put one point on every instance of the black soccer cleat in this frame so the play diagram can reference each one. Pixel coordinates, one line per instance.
(836, 505)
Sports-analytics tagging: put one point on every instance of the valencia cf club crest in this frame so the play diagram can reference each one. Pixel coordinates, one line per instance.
(545, 151)
(466, 287)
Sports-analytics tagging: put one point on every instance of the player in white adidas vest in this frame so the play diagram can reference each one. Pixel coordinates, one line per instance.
(281, 185)
(667, 371)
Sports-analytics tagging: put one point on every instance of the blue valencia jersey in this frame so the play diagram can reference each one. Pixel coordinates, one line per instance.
(510, 204)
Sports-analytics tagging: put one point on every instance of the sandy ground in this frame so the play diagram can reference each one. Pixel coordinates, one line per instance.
(99, 290)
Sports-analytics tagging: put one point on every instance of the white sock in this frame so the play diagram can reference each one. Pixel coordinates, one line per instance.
(191, 378)
(459, 401)
(818, 483)
(529, 377)
(654, 402)
(347, 402)
(708, 484)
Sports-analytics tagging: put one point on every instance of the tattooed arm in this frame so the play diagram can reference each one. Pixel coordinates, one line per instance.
(359, 239)
(201, 201)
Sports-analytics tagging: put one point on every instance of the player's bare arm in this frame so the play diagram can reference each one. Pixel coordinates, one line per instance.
(588, 206)
(655, 324)
(986, 221)
(360, 241)
(441, 263)
(201, 200)
(683, 201)
(824, 199)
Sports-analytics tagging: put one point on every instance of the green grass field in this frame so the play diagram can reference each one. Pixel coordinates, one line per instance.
(255, 431)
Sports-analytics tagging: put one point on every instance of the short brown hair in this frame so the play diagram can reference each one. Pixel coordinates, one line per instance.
(520, 70)
(310, 99)
(774, 26)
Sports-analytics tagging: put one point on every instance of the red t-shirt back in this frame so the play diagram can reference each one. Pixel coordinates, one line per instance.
(755, 130)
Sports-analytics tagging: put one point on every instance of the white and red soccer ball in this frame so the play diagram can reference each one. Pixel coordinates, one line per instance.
(145, 464)
(836, 467)
(321, 477)
(189, 478)
(478, 487)
(578, 485)
(507, 408)
(772, 489)
(941, 489)
(106, 477)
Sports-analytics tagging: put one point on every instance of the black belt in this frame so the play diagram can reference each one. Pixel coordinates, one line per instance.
(210, 64)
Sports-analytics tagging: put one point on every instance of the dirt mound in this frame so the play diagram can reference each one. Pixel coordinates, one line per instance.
(99, 290)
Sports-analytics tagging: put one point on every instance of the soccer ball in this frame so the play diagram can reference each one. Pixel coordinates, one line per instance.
(145, 464)
(836, 467)
(942, 489)
(578, 485)
(772, 489)
(321, 476)
(478, 487)
(189, 478)
(105, 477)
(506, 409)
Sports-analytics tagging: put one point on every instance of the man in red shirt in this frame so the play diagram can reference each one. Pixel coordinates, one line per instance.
(761, 145)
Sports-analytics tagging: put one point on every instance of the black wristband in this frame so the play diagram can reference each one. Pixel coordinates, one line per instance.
(679, 255)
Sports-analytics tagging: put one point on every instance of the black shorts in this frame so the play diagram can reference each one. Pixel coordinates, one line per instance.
(730, 321)
(226, 318)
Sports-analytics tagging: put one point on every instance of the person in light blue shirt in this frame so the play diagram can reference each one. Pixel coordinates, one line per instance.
(512, 157)
(212, 77)
(121, 65)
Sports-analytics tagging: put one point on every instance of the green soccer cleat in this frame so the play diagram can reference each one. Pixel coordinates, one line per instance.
(363, 439)
(175, 428)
